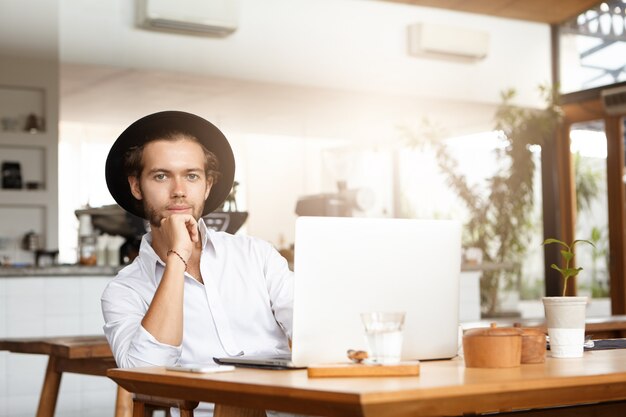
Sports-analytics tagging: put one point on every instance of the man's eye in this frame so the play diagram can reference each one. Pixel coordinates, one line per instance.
(193, 177)
(159, 177)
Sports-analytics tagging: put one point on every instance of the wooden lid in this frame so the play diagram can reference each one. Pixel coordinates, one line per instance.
(493, 330)
(529, 331)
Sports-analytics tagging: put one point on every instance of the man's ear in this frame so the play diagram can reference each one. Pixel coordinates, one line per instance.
(135, 189)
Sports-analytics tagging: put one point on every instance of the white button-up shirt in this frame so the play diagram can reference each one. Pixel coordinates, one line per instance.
(244, 307)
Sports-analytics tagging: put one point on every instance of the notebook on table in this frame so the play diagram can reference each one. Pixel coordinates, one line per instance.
(345, 266)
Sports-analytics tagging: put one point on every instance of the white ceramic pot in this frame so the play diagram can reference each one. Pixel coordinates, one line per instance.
(565, 319)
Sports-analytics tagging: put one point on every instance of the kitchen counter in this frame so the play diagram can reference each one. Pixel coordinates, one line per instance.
(82, 270)
(59, 270)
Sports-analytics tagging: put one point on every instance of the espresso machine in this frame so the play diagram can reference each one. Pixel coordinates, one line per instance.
(342, 203)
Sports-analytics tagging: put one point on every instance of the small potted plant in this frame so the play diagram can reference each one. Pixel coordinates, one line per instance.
(565, 316)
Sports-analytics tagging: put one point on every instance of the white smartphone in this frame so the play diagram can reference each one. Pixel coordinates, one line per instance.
(203, 368)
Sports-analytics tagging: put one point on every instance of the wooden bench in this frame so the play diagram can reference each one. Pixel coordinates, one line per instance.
(87, 355)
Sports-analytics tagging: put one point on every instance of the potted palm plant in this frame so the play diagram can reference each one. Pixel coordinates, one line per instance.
(565, 316)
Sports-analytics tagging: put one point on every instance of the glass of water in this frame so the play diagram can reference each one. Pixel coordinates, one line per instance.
(384, 336)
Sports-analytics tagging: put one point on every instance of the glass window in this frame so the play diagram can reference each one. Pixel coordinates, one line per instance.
(588, 146)
(593, 48)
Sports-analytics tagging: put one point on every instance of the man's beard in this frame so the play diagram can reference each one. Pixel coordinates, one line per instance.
(154, 217)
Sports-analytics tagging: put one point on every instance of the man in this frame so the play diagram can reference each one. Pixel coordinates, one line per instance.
(192, 293)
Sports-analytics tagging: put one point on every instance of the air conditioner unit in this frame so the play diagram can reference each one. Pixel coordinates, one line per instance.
(614, 100)
(196, 17)
(447, 42)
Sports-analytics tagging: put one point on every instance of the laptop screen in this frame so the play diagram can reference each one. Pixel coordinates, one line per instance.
(347, 266)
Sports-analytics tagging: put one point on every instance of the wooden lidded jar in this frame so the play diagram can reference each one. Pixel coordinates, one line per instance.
(492, 347)
(533, 344)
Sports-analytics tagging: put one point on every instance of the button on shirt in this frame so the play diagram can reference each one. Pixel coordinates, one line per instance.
(244, 307)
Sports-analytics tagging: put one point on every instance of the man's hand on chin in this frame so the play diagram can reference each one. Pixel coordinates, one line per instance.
(179, 232)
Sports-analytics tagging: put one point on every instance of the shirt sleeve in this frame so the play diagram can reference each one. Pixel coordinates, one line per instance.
(132, 345)
(279, 280)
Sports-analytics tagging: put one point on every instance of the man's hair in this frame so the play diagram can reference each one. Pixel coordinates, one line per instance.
(133, 158)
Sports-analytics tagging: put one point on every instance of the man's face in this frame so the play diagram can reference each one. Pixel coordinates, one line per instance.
(172, 181)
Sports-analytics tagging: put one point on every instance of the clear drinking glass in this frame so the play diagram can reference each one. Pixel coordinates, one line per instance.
(383, 331)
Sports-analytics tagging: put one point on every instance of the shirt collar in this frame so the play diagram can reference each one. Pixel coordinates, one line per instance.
(148, 257)
(207, 236)
(203, 229)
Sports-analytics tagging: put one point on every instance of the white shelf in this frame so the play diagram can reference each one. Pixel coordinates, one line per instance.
(19, 104)
(24, 197)
(25, 139)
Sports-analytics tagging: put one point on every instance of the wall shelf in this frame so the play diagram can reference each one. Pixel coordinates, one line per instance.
(25, 139)
(24, 197)
(22, 108)
(29, 93)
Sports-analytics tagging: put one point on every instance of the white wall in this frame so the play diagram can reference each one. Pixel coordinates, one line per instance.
(340, 44)
(29, 31)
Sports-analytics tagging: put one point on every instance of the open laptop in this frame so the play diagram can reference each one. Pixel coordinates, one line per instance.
(345, 266)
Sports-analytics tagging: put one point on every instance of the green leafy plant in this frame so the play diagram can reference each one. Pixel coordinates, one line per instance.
(501, 218)
(568, 255)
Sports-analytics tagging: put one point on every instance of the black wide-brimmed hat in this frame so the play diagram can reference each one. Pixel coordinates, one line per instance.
(159, 125)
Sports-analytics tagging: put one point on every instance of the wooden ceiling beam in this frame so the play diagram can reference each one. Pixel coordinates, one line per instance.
(542, 11)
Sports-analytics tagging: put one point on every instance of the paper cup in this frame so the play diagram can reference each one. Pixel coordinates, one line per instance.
(565, 319)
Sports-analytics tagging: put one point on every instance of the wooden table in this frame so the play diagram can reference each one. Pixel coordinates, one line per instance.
(89, 355)
(445, 388)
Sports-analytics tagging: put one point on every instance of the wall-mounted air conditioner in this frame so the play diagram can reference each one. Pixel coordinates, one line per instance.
(197, 17)
(614, 100)
(447, 42)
